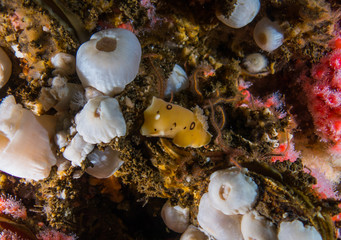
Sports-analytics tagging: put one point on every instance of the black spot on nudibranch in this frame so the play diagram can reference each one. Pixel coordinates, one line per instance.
(192, 126)
(169, 106)
(157, 112)
(174, 124)
(155, 129)
(184, 127)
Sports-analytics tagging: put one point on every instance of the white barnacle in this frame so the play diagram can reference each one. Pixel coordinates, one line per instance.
(231, 191)
(216, 223)
(25, 149)
(100, 120)
(176, 218)
(105, 163)
(5, 68)
(256, 227)
(109, 60)
(242, 13)
(296, 230)
(268, 35)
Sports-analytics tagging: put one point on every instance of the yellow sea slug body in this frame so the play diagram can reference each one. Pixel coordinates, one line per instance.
(187, 128)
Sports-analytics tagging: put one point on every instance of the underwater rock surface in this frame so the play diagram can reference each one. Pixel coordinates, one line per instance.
(250, 106)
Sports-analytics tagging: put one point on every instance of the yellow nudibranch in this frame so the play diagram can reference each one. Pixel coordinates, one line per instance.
(187, 128)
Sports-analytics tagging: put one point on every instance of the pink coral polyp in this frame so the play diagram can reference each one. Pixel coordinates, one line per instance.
(321, 72)
(51, 234)
(335, 60)
(12, 207)
(323, 91)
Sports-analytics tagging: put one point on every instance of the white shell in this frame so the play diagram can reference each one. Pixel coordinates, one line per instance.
(177, 80)
(5, 68)
(244, 12)
(25, 149)
(176, 218)
(257, 227)
(105, 163)
(64, 64)
(231, 191)
(77, 150)
(193, 233)
(295, 230)
(255, 63)
(109, 71)
(217, 224)
(17, 52)
(100, 120)
(268, 35)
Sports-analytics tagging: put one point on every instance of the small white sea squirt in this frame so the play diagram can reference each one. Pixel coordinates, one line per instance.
(100, 120)
(244, 11)
(109, 60)
(257, 227)
(231, 191)
(176, 218)
(268, 35)
(296, 230)
(255, 63)
(5, 68)
(216, 223)
(25, 149)
(105, 163)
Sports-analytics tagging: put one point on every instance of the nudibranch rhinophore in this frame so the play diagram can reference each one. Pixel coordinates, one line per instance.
(187, 128)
